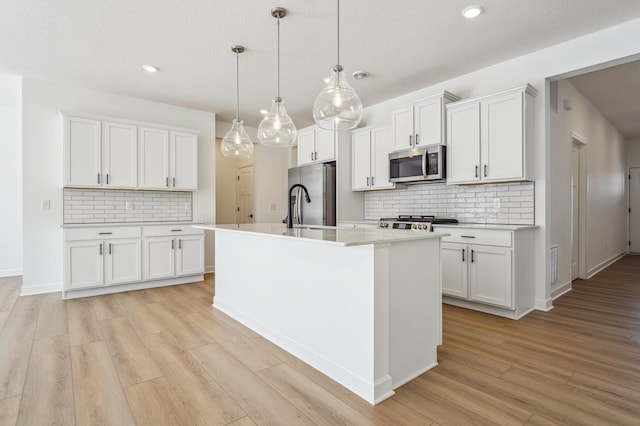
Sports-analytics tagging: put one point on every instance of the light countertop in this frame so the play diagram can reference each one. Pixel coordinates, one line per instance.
(112, 224)
(485, 226)
(327, 234)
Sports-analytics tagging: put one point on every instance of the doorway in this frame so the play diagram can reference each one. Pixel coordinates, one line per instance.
(634, 210)
(578, 206)
(244, 191)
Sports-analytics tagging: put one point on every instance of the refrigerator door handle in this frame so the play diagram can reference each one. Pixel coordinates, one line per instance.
(299, 202)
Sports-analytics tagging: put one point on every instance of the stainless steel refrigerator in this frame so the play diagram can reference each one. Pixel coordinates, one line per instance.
(320, 181)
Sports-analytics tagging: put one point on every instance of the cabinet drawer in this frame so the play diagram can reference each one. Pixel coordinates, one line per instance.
(163, 230)
(489, 237)
(107, 232)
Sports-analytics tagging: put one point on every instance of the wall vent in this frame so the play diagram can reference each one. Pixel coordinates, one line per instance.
(553, 264)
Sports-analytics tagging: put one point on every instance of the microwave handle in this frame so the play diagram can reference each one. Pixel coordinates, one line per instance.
(424, 163)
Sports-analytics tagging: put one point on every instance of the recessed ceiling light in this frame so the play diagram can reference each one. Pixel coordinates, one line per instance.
(359, 75)
(149, 68)
(263, 111)
(472, 11)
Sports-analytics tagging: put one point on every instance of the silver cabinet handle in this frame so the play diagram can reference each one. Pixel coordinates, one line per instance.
(172, 241)
(100, 249)
(176, 230)
(373, 180)
(410, 140)
(174, 182)
(167, 181)
(417, 143)
(476, 171)
(107, 178)
(485, 170)
(463, 259)
(109, 248)
(312, 156)
(472, 259)
(367, 181)
(180, 244)
(467, 236)
(105, 233)
(98, 177)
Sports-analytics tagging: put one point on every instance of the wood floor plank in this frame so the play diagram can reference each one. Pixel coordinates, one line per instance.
(202, 396)
(188, 335)
(25, 311)
(180, 301)
(48, 389)
(99, 397)
(130, 356)
(83, 323)
(135, 309)
(245, 421)
(9, 292)
(256, 397)
(614, 393)
(15, 350)
(3, 319)
(321, 406)
(52, 320)
(155, 403)
(9, 410)
(106, 307)
(474, 360)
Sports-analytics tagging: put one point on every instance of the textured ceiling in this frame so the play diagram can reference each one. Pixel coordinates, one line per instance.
(403, 44)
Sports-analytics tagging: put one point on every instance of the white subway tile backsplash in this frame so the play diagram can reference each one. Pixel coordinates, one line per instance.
(469, 203)
(110, 206)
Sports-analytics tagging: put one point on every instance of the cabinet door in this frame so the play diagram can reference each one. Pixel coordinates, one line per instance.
(325, 145)
(158, 258)
(306, 147)
(361, 160)
(190, 255)
(427, 122)
(84, 264)
(454, 269)
(490, 275)
(402, 123)
(153, 158)
(82, 152)
(463, 140)
(122, 261)
(502, 139)
(381, 146)
(119, 155)
(183, 160)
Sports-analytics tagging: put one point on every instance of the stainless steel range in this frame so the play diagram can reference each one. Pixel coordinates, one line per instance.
(414, 222)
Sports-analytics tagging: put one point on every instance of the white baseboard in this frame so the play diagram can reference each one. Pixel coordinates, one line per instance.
(10, 272)
(209, 269)
(561, 289)
(40, 289)
(544, 305)
(140, 285)
(602, 265)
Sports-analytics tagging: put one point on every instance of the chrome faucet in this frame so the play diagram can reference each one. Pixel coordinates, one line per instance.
(306, 195)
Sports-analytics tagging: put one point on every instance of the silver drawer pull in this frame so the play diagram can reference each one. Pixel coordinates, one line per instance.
(176, 230)
(105, 233)
(467, 236)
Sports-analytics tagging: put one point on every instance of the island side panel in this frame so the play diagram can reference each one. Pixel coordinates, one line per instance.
(314, 300)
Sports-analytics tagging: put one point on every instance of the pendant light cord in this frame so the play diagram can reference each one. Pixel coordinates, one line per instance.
(338, 32)
(278, 85)
(237, 86)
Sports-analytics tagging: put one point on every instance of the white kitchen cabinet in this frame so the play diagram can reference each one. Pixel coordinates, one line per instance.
(183, 160)
(99, 153)
(421, 123)
(370, 158)
(84, 264)
(488, 269)
(487, 137)
(153, 158)
(316, 146)
(170, 251)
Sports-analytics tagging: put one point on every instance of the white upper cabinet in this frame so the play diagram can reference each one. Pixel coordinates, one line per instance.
(487, 137)
(183, 160)
(421, 123)
(82, 152)
(153, 158)
(316, 145)
(370, 158)
(119, 155)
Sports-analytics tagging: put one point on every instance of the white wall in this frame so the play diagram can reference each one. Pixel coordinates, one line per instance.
(10, 175)
(596, 48)
(606, 232)
(633, 153)
(43, 174)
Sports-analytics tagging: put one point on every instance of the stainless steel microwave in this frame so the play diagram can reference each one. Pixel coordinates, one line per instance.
(418, 164)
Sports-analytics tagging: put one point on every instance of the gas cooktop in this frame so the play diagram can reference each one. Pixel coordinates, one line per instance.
(420, 218)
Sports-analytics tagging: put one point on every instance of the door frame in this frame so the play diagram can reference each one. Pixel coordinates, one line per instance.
(628, 189)
(580, 143)
(253, 185)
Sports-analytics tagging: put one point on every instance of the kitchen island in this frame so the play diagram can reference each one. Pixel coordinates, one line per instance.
(363, 306)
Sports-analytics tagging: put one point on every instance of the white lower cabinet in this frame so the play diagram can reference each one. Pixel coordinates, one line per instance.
(488, 269)
(99, 259)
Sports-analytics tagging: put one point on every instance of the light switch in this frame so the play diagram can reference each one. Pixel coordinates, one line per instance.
(45, 205)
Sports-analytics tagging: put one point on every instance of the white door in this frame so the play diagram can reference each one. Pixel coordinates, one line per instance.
(402, 122)
(325, 145)
(82, 152)
(575, 211)
(190, 255)
(153, 158)
(361, 160)
(122, 261)
(454, 269)
(306, 147)
(502, 137)
(119, 155)
(183, 160)
(245, 194)
(381, 145)
(84, 264)
(463, 143)
(634, 214)
(158, 257)
(490, 275)
(428, 122)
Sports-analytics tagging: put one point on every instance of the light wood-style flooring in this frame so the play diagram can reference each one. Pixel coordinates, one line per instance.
(165, 356)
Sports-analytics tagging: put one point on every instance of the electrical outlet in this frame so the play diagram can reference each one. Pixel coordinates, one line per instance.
(496, 203)
(45, 205)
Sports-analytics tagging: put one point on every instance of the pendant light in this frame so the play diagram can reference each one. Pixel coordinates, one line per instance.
(277, 130)
(338, 106)
(236, 143)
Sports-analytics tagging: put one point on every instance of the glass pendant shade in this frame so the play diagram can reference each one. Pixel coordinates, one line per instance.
(236, 143)
(338, 106)
(277, 130)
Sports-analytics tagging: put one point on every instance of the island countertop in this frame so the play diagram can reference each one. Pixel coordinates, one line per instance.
(326, 234)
